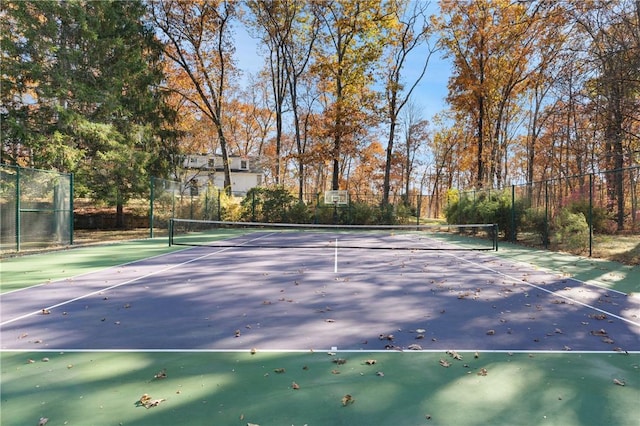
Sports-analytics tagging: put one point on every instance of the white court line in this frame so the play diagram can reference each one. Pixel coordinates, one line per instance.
(66, 302)
(328, 352)
(93, 272)
(518, 280)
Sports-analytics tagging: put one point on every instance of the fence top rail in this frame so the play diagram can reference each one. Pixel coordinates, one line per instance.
(12, 166)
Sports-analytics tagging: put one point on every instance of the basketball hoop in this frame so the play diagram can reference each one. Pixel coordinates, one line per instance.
(336, 197)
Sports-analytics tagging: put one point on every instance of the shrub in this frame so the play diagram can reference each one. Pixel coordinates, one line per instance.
(268, 204)
(230, 208)
(534, 220)
(493, 207)
(599, 216)
(571, 231)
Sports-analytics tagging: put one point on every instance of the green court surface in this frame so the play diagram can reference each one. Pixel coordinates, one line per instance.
(240, 388)
(30, 269)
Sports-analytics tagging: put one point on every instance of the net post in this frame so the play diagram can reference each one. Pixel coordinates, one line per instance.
(170, 232)
(495, 236)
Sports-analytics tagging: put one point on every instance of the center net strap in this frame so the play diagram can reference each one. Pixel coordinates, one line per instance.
(372, 237)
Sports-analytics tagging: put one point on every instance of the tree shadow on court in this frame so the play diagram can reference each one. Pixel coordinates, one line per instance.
(435, 308)
(240, 388)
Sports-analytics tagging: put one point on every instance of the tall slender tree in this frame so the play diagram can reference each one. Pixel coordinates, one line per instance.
(197, 39)
(410, 32)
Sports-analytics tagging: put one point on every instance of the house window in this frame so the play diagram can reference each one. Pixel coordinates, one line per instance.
(212, 163)
(243, 164)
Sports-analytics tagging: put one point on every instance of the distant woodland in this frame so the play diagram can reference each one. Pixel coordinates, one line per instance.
(119, 91)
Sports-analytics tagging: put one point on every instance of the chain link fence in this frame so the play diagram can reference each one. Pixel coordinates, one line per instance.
(36, 210)
(560, 214)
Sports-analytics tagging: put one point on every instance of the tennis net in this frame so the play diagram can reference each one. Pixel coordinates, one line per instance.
(374, 237)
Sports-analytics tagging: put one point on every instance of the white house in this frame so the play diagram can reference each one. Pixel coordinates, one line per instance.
(208, 169)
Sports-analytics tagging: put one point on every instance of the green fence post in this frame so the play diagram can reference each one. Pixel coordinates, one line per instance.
(219, 206)
(71, 209)
(18, 208)
(151, 196)
(590, 214)
(546, 214)
(513, 213)
(253, 206)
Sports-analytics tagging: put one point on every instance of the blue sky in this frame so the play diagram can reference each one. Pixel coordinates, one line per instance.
(429, 95)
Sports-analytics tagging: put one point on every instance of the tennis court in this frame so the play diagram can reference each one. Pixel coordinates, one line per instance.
(278, 326)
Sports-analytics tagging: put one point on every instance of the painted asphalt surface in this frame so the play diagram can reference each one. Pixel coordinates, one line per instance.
(311, 298)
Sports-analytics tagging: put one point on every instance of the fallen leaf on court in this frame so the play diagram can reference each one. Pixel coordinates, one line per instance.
(154, 403)
(252, 424)
(279, 370)
(600, 332)
(266, 302)
(558, 331)
(414, 347)
(476, 355)
(491, 332)
(386, 337)
(335, 371)
(379, 374)
(347, 399)
(608, 340)
(329, 320)
(370, 361)
(420, 330)
(45, 312)
(45, 359)
(444, 363)
(236, 333)
(454, 354)
(162, 374)
(482, 372)
(619, 382)
(43, 421)
(253, 351)
(146, 401)
(295, 386)
(339, 361)
(598, 316)
(567, 348)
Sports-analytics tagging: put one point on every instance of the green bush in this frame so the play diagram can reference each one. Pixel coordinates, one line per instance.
(269, 205)
(230, 208)
(487, 207)
(571, 231)
(535, 220)
(599, 216)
